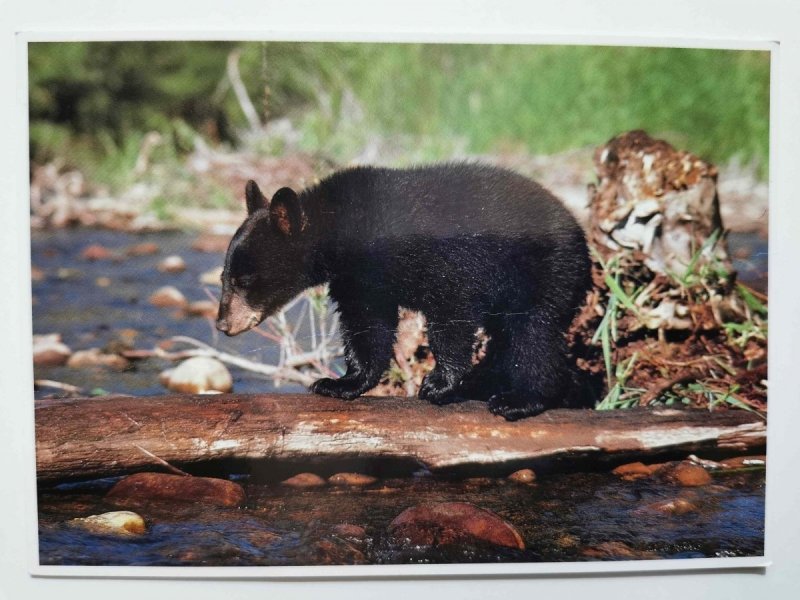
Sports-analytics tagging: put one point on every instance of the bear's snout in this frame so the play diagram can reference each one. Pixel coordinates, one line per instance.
(236, 315)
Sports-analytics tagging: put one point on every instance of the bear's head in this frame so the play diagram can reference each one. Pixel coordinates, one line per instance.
(266, 260)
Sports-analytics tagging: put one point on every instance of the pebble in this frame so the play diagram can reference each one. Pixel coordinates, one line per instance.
(102, 282)
(197, 375)
(94, 357)
(523, 476)
(49, 350)
(143, 487)
(212, 277)
(168, 297)
(454, 523)
(96, 252)
(172, 264)
(635, 470)
(203, 308)
(122, 522)
(143, 249)
(350, 531)
(352, 479)
(305, 480)
(689, 475)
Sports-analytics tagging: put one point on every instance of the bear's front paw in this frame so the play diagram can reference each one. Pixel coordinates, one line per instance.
(344, 387)
(437, 389)
(510, 406)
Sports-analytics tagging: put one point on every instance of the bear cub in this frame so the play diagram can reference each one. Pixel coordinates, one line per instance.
(469, 246)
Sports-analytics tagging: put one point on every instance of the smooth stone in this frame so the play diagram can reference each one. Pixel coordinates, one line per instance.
(616, 550)
(49, 350)
(211, 243)
(172, 264)
(689, 475)
(168, 297)
(446, 523)
(305, 480)
(95, 358)
(635, 470)
(523, 476)
(144, 487)
(212, 277)
(203, 308)
(96, 252)
(143, 249)
(348, 530)
(197, 375)
(352, 479)
(674, 506)
(122, 522)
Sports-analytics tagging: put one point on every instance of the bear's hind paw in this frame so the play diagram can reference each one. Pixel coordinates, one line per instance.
(344, 388)
(509, 406)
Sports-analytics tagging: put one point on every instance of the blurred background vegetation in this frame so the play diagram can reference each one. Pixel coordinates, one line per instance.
(91, 104)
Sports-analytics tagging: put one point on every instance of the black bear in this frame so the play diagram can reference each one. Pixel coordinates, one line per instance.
(469, 246)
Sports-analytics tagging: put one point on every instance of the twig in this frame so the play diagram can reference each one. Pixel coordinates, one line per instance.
(58, 385)
(163, 463)
(241, 91)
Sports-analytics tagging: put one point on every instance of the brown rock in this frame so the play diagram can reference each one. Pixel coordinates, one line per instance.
(348, 530)
(330, 552)
(211, 243)
(608, 550)
(95, 358)
(203, 308)
(523, 476)
(305, 480)
(168, 297)
(454, 523)
(636, 470)
(49, 351)
(37, 274)
(143, 249)
(352, 479)
(144, 487)
(96, 252)
(689, 475)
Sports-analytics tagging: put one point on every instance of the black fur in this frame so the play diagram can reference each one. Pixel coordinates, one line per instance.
(467, 245)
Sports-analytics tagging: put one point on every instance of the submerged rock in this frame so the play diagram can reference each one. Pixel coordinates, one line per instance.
(674, 506)
(305, 480)
(447, 523)
(94, 357)
(616, 550)
(689, 475)
(636, 470)
(96, 252)
(198, 375)
(122, 522)
(168, 297)
(49, 350)
(352, 479)
(143, 249)
(143, 487)
(350, 531)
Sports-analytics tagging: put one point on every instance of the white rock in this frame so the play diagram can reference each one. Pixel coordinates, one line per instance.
(122, 522)
(198, 375)
(49, 350)
(172, 264)
(168, 296)
(212, 277)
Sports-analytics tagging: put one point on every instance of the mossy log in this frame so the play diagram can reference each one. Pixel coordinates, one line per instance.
(94, 437)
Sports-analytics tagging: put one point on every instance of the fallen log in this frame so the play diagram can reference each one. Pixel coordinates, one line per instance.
(93, 437)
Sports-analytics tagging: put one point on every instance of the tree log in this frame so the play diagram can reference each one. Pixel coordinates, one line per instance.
(93, 437)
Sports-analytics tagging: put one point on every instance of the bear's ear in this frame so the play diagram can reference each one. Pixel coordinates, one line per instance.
(255, 199)
(285, 213)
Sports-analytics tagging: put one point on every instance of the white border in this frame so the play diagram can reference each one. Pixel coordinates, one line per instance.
(708, 20)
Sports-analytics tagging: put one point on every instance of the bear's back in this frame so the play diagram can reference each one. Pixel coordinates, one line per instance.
(440, 201)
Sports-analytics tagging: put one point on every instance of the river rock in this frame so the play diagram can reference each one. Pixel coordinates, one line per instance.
(49, 350)
(335, 552)
(143, 249)
(96, 252)
(197, 375)
(172, 264)
(37, 274)
(454, 523)
(617, 550)
(212, 243)
(350, 531)
(635, 470)
(94, 357)
(168, 297)
(305, 480)
(212, 277)
(673, 506)
(351, 479)
(523, 476)
(122, 522)
(689, 475)
(203, 308)
(144, 487)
